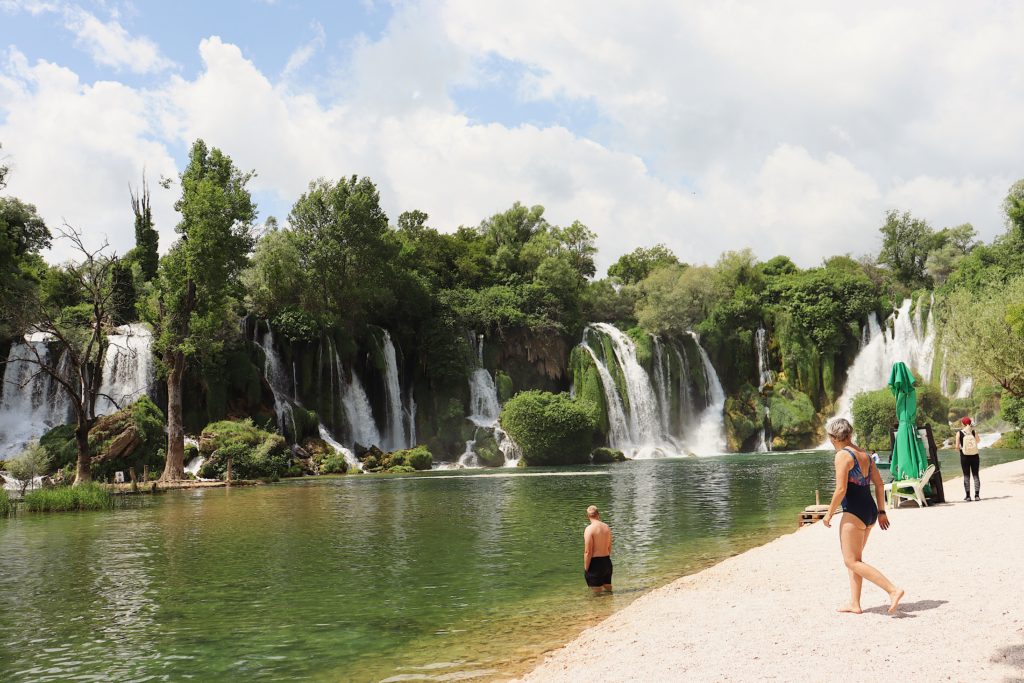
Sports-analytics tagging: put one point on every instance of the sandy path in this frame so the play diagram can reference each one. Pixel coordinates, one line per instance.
(768, 614)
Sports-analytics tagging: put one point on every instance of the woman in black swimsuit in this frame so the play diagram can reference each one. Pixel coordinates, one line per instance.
(855, 472)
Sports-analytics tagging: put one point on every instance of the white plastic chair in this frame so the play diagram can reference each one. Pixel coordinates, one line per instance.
(911, 489)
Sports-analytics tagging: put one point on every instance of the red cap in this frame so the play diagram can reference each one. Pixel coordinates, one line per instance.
(966, 420)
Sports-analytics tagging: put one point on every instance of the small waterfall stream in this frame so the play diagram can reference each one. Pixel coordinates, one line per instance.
(485, 409)
(766, 378)
(395, 430)
(653, 414)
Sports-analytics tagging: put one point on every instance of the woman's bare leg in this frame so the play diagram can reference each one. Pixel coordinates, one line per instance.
(853, 538)
(850, 542)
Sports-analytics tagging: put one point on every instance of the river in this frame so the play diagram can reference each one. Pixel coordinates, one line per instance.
(448, 575)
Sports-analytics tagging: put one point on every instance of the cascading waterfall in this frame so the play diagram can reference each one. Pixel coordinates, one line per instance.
(640, 419)
(278, 380)
(395, 434)
(357, 407)
(765, 379)
(904, 338)
(711, 428)
(485, 409)
(32, 402)
(128, 369)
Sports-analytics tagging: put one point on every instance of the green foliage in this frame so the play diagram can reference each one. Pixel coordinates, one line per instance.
(1012, 410)
(419, 458)
(69, 499)
(144, 423)
(147, 239)
(217, 435)
(503, 383)
(874, 414)
(551, 429)
(6, 505)
(334, 463)
(266, 460)
(635, 266)
(793, 418)
(744, 417)
(779, 265)
(60, 445)
(604, 456)
(31, 463)
(906, 243)
(122, 293)
(605, 301)
(296, 326)
(23, 234)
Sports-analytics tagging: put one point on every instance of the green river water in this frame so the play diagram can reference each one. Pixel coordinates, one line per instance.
(450, 575)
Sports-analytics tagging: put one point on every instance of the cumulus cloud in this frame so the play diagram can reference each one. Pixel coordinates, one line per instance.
(721, 126)
(109, 44)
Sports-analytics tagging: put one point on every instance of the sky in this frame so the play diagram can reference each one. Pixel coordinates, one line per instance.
(784, 127)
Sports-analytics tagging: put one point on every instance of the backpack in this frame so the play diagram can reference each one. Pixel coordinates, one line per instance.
(969, 442)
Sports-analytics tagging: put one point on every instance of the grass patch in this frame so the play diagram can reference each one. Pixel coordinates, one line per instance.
(6, 506)
(67, 498)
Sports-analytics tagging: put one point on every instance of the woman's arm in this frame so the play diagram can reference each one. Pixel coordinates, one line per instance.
(844, 463)
(876, 479)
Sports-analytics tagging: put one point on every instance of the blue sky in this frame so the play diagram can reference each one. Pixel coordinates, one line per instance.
(702, 125)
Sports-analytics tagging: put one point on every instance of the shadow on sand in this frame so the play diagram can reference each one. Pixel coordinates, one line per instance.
(906, 609)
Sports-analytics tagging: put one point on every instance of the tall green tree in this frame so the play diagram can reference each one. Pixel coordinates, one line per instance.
(147, 240)
(641, 262)
(23, 234)
(342, 235)
(906, 243)
(76, 334)
(200, 277)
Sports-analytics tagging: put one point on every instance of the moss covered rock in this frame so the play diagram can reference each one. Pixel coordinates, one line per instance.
(603, 456)
(254, 453)
(793, 418)
(744, 418)
(551, 429)
(486, 449)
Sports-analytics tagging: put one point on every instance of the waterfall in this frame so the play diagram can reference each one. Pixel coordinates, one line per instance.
(128, 369)
(357, 408)
(711, 428)
(485, 409)
(640, 411)
(32, 402)
(765, 379)
(350, 457)
(395, 438)
(903, 338)
(279, 381)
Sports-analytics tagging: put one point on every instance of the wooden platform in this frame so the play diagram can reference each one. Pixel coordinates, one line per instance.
(810, 515)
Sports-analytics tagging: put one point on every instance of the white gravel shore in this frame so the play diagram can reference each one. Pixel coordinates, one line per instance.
(769, 613)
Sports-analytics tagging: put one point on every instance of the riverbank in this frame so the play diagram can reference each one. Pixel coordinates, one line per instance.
(769, 613)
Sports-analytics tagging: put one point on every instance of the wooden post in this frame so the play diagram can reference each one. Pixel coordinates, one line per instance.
(135, 482)
(817, 497)
(145, 473)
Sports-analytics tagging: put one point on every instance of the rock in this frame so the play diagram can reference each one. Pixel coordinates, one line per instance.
(123, 445)
(602, 456)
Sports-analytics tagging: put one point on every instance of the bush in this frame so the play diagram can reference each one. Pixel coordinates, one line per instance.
(68, 498)
(268, 460)
(603, 456)
(551, 429)
(32, 463)
(334, 463)
(216, 435)
(6, 506)
(419, 458)
(136, 431)
(59, 443)
(874, 414)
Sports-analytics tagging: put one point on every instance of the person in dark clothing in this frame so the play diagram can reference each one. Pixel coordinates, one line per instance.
(970, 457)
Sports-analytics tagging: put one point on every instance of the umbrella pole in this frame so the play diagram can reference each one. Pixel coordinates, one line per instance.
(933, 458)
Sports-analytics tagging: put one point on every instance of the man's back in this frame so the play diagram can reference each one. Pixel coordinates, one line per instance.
(599, 538)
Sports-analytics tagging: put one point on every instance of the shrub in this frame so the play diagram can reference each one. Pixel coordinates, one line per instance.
(419, 458)
(602, 456)
(67, 498)
(216, 435)
(874, 414)
(32, 463)
(6, 506)
(334, 463)
(268, 460)
(59, 443)
(551, 429)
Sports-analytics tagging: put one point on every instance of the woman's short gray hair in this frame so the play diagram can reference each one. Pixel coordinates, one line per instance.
(839, 429)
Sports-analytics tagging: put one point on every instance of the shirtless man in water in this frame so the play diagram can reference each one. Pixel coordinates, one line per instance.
(597, 550)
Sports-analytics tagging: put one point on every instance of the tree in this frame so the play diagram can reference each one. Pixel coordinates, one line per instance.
(906, 243)
(22, 235)
(77, 333)
(641, 262)
(147, 239)
(344, 249)
(1013, 206)
(984, 333)
(676, 298)
(199, 277)
(4, 170)
(32, 463)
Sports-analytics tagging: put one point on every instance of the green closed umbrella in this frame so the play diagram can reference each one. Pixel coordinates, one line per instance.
(909, 457)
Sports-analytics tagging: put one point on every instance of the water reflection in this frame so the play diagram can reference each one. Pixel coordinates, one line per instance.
(365, 577)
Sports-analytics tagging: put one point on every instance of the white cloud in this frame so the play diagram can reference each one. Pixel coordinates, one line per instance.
(723, 126)
(302, 54)
(109, 44)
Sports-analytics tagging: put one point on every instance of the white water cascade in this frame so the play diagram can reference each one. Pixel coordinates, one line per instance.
(765, 379)
(32, 402)
(485, 409)
(711, 427)
(903, 338)
(395, 433)
(128, 369)
(356, 405)
(641, 421)
(279, 381)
